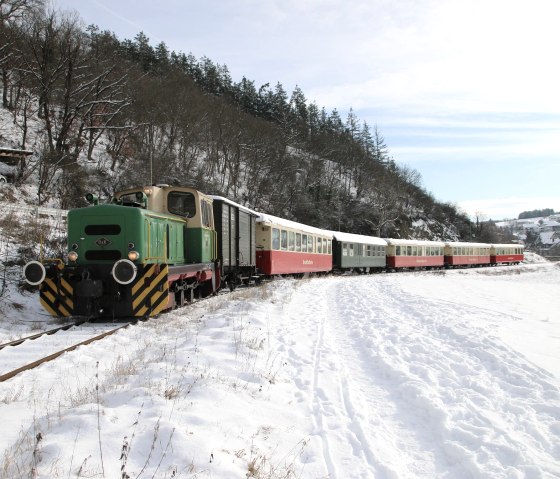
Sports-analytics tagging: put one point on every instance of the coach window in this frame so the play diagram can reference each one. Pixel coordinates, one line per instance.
(275, 238)
(298, 241)
(291, 241)
(304, 243)
(319, 246)
(325, 246)
(398, 251)
(284, 242)
(310, 244)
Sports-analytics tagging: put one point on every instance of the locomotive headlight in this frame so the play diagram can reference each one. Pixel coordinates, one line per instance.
(72, 256)
(34, 273)
(133, 255)
(124, 271)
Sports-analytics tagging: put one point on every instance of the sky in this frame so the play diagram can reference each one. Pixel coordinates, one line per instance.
(466, 93)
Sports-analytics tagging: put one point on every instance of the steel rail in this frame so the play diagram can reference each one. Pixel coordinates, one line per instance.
(34, 364)
(17, 342)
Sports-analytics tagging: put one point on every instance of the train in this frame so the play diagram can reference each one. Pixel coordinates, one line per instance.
(154, 248)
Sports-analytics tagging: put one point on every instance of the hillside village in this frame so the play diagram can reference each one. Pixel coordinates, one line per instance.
(541, 234)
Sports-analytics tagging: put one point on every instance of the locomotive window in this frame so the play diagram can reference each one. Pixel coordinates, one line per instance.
(284, 242)
(181, 203)
(344, 249)
(129, 200)
(304, 243)
(275, 238)
(206, 214)
(96, 230)
(291, 241)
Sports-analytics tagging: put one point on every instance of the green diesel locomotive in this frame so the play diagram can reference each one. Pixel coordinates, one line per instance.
(149, 250)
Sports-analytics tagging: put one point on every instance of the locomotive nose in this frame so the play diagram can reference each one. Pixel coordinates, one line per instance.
(34, 273)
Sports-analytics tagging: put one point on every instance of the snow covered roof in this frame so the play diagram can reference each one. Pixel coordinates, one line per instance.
(233, 203)
(275, 221)
(353, 238)
(508, 245)
(404, 242)
(467, 245)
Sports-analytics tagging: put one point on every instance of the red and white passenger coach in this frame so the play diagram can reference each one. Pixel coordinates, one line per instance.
(506, 254)
(467, 254)
(414, 254)
(287, 247)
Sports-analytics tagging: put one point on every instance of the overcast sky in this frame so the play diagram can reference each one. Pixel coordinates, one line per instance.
(464, 91)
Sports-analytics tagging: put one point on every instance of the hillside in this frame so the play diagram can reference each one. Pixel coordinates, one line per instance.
(138, 114)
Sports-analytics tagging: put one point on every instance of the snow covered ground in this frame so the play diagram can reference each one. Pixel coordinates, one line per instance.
(410, 375)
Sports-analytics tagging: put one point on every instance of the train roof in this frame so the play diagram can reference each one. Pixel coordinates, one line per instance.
(405, 242)
(508, 245)
(275, 221)
(233, 203)
(353, 238)
(467, 245)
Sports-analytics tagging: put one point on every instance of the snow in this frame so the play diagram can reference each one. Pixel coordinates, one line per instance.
(354, 238)
(233, 203)
(281, 222)
(393, 242)
(408, 375)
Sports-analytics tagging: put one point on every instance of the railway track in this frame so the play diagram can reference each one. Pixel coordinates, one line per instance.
(31, 351)
(17, 342)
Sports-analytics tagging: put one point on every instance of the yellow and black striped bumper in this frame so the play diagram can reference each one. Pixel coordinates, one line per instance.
(150, 291)
(56, 297)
